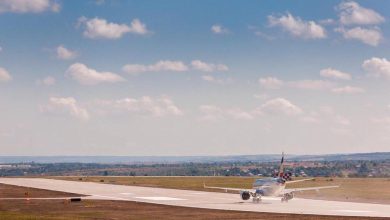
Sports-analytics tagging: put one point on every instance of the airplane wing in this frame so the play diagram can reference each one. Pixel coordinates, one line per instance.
(225, 188)
(307, 189)
(296, 181)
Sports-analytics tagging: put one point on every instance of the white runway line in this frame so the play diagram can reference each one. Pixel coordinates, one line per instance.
(356, 211)
(159, 198)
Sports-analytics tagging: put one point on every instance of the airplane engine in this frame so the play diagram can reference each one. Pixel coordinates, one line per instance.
(245, 195)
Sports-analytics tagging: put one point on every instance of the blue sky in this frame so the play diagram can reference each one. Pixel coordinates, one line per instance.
(193, 77)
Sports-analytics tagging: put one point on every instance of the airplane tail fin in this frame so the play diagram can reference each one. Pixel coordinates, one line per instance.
(281, 168)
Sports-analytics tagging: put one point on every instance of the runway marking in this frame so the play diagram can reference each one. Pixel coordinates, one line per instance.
(198, 193)
(357, 211)
(126, 193)
(160, 198)
(109, 197)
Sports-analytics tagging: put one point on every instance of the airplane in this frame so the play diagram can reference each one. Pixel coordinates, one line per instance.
(271, 187)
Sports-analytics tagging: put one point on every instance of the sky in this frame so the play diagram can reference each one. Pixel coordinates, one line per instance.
(181, 77)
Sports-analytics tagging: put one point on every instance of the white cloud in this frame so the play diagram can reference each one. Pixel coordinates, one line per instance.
(381, 120)
(311, 119)
(311, 84)
(219, 29)
(28, 6)
(213, 79)
(214, 113)
(298, 27)
(342, 131)
(97, 28)
(351, 13)
(271, 83)
(275, 83)
(261, 96)
(348, 90)
(208, 67)
(280, 106)
(327, 116)
(341, 120)
(65, 54)
(370, 36)
(67, 105)
(4, 75)
(173, 66)
(160, 66)
(47, 81)
(335, 74)
(377, 67)
(327, 21)
(87, 76)
(157, 107)
(99, 2)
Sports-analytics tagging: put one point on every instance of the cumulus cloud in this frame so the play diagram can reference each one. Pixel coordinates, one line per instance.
(28, 6)
(311, 84)
(213, 79)
(298, 27)
(370, 36)
(351, 13)
(98, 28)
(348, 90)
(64, 53)
(146, 105)
(65, 105)
(219, 29)
(381, 120)
(213, 113)
(280, 106)
(271, 83)
(341, 120)
(174, 66)
(378, 67)
(275, 83)
(4, 75)
(87, 76)
(327, 115)
(163, 65)
(47, 81)
(208, 67)
(335, 74)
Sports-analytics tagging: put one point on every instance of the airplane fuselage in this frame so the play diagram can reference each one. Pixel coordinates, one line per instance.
(269, 186)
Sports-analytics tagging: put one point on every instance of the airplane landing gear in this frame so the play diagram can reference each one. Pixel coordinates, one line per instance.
(256, 198)
(287, 196)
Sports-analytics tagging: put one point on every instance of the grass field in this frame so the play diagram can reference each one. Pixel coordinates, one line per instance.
(372, 190)
(8, 191)
(93, 209)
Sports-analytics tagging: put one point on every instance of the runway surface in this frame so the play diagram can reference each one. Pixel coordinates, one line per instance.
(198, 199)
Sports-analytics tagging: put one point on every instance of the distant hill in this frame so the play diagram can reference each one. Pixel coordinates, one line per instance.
(194, 159)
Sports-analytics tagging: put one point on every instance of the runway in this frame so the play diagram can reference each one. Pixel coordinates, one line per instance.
(198, 199)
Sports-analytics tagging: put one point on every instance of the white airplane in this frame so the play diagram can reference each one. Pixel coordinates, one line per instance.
(272, 187)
